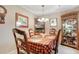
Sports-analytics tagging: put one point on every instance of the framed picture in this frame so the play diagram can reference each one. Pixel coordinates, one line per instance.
(3, 12)
(53, 22)
(21, 21)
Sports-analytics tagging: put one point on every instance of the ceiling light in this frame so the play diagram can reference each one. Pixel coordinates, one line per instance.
(43, 19)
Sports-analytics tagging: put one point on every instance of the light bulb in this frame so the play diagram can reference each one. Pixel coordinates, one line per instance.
(46, 19)
(39, 20)
(42, 19)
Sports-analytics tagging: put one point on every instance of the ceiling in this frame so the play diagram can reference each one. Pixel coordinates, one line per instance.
(48, 9)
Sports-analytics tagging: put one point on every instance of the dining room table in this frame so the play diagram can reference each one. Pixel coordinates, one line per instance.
(41, 44)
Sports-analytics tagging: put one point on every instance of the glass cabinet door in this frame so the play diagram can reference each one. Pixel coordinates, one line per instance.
(69, 32)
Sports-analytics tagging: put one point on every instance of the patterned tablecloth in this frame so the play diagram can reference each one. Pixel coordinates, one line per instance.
(41, 45)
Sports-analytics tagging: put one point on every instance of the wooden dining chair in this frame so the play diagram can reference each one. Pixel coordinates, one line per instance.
(21, 44)
(31, 32)
(52, 31)
(57, 42)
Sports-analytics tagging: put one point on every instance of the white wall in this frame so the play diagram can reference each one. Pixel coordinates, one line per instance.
(7, 43)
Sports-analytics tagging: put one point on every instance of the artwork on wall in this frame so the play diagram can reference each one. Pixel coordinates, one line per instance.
(39, 26)
(3, 12)
(21, 21)
(53, 22)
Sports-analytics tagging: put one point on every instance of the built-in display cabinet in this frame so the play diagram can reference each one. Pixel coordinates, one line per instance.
(70, 31)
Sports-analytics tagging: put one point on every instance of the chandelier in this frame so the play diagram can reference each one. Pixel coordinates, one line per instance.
(43, 19)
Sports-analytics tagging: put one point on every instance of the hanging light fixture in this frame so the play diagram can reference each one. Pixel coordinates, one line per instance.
(43, 19)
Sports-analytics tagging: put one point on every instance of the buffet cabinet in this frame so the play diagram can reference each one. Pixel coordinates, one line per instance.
(70, 31)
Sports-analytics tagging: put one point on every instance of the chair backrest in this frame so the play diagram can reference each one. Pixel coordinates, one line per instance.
(20, 32)
(19, 41)
(31, 32)
(52, 31)
(57, 40)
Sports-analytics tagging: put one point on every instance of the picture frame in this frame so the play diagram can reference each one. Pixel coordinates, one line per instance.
(53, 22)
(3, 12)
(21, 21)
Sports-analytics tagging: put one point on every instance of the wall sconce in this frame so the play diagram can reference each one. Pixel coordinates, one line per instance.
(3, 12)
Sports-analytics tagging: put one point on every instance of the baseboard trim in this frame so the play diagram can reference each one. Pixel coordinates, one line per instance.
(13, 52)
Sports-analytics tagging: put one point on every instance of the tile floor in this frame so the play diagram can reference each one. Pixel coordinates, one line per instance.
(67, 50)
(61, 50)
